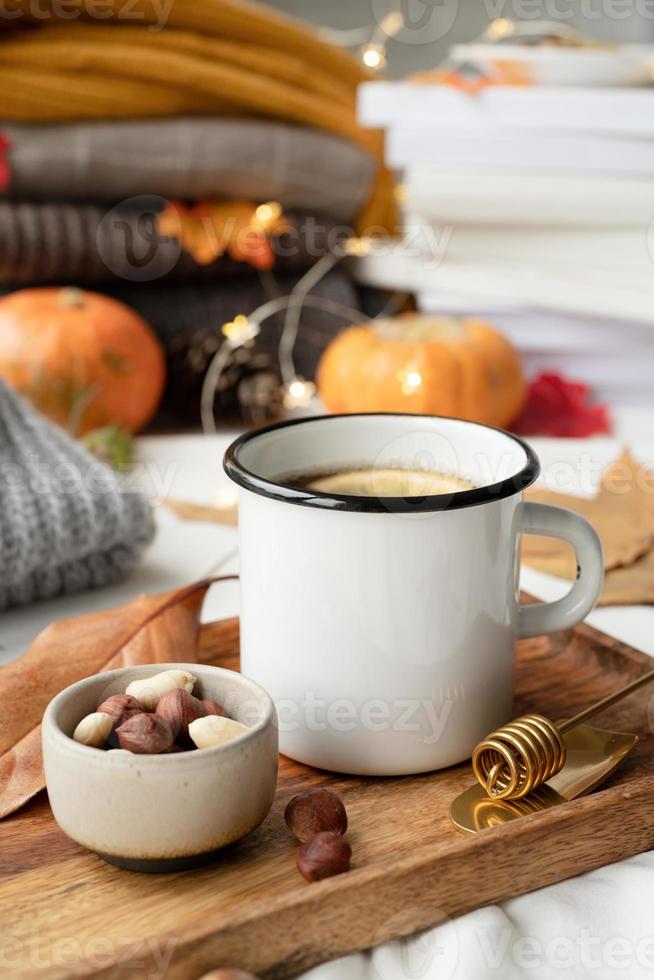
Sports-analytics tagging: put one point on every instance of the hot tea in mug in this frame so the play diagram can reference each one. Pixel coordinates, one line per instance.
(379, 571)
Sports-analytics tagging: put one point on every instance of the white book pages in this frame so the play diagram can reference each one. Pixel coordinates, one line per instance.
(449, 301)
(625, 297)
(631, 369)
(452, 196)
(522, 151)
(578, 110)
(598, 249)
(540, 331)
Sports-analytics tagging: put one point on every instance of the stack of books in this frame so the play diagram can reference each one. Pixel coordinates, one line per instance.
(534, 207)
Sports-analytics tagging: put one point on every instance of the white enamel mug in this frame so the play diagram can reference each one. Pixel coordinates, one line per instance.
(384, 627)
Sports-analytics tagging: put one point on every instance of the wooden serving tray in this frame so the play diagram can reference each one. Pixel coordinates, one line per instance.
(63, 912)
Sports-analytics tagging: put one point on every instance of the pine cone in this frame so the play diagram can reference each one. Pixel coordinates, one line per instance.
(249, 388)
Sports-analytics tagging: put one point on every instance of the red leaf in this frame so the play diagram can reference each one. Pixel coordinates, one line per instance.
(5, 168)
(556, 406)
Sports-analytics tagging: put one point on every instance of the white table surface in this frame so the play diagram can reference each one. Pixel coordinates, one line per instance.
(598, 925)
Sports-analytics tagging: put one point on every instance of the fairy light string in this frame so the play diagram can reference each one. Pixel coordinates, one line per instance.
(242, 331)
(371, 47)
(297, 297)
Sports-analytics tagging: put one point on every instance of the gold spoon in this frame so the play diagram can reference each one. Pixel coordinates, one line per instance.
(592, 756)
(519, 757)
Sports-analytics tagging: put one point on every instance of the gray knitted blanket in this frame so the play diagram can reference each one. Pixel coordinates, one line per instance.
(67, 522)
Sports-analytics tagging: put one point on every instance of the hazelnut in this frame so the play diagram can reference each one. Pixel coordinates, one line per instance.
(120, 707)
(214, 730)
(145, 734)
(180, 708)
(313, 811)
(211, 708)
(228, 975)
(94, 729)
(148, 690)
(325, 855)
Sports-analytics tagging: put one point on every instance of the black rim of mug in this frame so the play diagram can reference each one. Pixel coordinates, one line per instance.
(374, 505)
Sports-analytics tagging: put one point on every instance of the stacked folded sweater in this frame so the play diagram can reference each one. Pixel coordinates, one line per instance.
(86, 244)
(218, 101)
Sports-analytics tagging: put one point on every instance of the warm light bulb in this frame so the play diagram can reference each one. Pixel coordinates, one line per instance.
(410, 380)
(357, 246)
(392, 23)
(373, 56)
(240, 330)
(299, 393)
(267, 213)
(499, 28)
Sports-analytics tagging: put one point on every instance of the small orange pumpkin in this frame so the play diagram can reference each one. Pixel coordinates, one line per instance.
(424, 365)
(85, 360)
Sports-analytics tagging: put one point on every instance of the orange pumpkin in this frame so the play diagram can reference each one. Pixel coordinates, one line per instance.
(83, 359)
(425, 365)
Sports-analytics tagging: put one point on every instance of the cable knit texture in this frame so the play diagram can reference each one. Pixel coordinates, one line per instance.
(61, 242)
(67, 522)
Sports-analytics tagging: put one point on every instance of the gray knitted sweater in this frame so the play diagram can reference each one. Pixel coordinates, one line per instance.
(67, 522)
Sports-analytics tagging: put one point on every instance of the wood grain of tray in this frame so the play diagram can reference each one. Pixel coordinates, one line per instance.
(63, 912)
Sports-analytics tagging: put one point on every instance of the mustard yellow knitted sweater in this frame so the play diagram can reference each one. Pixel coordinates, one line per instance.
(130, 58)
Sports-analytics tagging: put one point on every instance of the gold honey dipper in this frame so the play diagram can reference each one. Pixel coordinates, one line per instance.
(519, 757)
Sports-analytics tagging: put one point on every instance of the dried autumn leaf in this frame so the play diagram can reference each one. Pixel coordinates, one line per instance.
(239, 229)
(627, 478)
(188, 511)
(622, 513)
(630, 586)
(21, 773)
(151, 629)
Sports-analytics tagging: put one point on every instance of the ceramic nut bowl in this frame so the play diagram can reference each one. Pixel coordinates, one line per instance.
(161, 812)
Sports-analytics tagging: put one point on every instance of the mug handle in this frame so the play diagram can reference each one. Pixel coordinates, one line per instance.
(557, 522)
